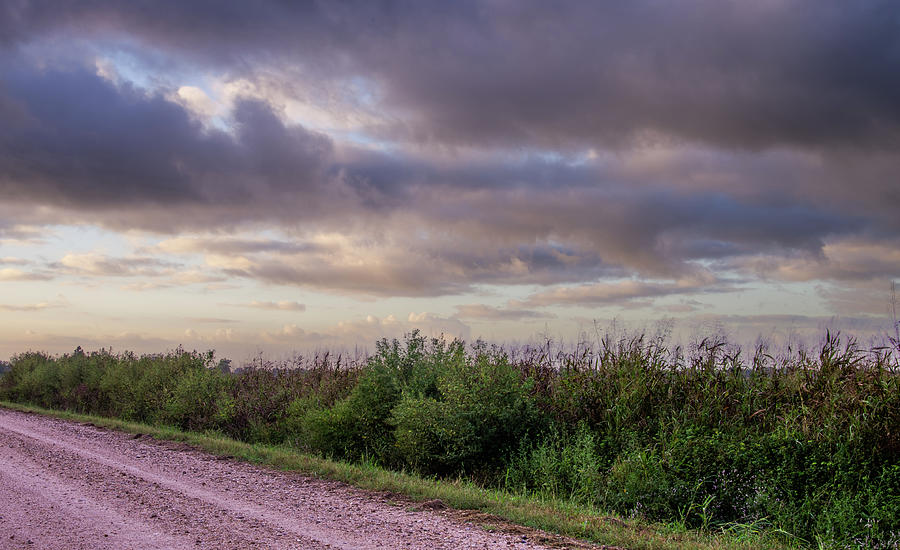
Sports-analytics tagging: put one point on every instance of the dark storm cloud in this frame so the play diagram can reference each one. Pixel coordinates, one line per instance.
(129, 158)
(77, 140)
(734, 74)
(651, 229)
(515, 135)
(557, 75)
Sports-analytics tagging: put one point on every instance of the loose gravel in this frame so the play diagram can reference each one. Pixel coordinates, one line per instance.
(67, 485)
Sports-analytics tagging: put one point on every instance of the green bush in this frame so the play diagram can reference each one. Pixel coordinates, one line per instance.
(480, 415)
(193, 402)
(358, 425)
(362, 424)
(562, 464)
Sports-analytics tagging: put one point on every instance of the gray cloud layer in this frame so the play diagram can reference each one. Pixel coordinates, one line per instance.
(527, 142)
(76, 140)
(745, 74)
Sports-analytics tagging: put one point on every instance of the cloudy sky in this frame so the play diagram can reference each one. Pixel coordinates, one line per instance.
(285, 175)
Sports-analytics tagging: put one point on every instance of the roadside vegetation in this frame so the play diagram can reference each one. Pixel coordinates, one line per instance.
(800, 449)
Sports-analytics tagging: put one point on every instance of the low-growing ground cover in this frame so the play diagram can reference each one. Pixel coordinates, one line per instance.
(803, 447)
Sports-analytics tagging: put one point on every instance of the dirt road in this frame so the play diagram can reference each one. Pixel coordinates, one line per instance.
(65, 485)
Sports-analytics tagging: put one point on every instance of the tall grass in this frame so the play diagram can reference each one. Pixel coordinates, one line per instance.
(805, 444)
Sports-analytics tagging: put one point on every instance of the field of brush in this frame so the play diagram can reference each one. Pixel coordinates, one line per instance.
(805, 444)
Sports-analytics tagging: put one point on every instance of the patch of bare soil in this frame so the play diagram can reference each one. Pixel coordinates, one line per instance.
(65, 485)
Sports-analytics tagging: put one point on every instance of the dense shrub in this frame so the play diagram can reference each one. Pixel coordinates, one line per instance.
(266, 402)
(479, 415)
(358, 425)
(362, 424)
(565, 462)
(194, 400)
(806, 442)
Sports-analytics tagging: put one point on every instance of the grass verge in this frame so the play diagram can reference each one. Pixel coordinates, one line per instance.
(491, 509)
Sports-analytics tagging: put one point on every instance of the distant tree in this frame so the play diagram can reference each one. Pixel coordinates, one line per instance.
(224, 366)
(4, 366)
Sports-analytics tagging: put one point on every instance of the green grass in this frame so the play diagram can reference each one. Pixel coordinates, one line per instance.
(552, 515)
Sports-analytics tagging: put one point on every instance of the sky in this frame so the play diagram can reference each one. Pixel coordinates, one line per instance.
(281, 177)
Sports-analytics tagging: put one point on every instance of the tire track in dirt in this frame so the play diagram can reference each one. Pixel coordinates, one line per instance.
(68, 485)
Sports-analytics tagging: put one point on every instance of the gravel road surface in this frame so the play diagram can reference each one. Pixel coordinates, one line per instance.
(66, 485)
